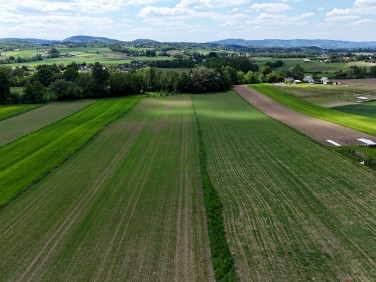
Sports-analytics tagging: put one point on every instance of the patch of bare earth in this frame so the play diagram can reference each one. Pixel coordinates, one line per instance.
(317, 129)
(367, 81)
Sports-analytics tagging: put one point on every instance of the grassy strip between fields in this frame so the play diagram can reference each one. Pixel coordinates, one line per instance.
(366, 109)
(9, 111)
(223, 261)
(357, 122)
(28, 159)
(361, 156)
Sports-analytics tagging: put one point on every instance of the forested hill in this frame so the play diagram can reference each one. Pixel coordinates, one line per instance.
(73, 39)
(322, 43)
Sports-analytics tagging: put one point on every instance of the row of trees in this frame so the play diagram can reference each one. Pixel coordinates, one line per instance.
(49, 83)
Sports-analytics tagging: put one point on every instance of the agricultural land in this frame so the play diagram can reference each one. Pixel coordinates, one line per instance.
(292, 211)
(128, 206)
(7, 111)
(31, 157)
(21, 125)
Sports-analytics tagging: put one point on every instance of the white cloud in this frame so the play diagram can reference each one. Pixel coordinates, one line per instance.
(213, 3)
(271, 7)
(363, 22)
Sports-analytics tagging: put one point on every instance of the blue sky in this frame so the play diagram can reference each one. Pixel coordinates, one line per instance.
(190, 20)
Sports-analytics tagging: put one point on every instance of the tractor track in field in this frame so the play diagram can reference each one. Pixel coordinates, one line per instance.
(80, 207)
(320, 130)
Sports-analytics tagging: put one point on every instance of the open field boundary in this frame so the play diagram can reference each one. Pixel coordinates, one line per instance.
(8, 111)
(293, 211)
(28, 159)
(357, 122)
(325, 132)
(223, 261)
(18, 126)
(128, 206)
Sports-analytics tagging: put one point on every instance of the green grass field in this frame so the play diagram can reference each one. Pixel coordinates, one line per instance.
(293, 210)
(28, 159)
(328, 95)
(82, 55)
(18, 126)
(128, 206)
(309, 68)
(7, 111)
(366, 109)
(357, 122)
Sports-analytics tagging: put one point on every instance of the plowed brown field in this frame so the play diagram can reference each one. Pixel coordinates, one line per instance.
(317, 129)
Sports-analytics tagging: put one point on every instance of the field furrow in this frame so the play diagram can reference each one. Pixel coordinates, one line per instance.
(127, 206)
(28, 159)
(293, 210)
(18, 126)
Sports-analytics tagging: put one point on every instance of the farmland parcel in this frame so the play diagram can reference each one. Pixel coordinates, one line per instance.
(128, 206)
(28, 159)
(293, 211)
(21, 125)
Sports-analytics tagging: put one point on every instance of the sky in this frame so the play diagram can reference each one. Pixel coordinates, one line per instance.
(190, 20)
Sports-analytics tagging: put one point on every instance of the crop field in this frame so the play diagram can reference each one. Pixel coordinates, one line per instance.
(293, 210)
(357, 122)
(82, 55)
(127, 206)
(13, 128)
(366, 109)
(7, 111)
(309, 68)
(29, 158)
(329, 95)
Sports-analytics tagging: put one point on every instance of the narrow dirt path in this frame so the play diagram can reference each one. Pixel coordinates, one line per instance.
(325, 132)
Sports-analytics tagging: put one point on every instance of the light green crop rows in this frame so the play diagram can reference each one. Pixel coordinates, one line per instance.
(31, 157)
(8, 111)
(127, 207)
(293, 210)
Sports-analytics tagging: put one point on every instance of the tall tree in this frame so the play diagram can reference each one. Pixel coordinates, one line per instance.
(4, 88)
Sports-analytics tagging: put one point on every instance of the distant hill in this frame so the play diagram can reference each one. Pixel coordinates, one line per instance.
(143, 40)
(84, 38)
(321, 43)
(29, 40)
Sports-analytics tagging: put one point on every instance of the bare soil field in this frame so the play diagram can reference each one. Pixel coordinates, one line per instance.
(15, 127)
(366, 81)
(317, 129)
(361, 64)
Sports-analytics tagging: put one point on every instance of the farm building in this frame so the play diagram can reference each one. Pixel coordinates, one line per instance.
(325, 80)
(297, 81)
(308, 79)
(288, 80)
(307, 60)
(362, 99)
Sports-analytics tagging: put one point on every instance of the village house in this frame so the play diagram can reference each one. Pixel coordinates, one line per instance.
(288, 80)
(307, 60)
(325, 80)
(309, 79)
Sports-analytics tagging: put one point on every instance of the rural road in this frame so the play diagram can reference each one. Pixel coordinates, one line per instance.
(325, 132)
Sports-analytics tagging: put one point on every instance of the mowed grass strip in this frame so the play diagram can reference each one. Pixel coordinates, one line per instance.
(366, 109)
(7, 111)
(293, 211)
(23, 124)
(128, 206)
(28, 159)
(362, 123)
